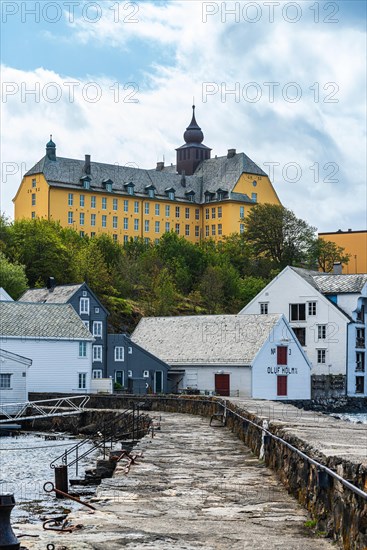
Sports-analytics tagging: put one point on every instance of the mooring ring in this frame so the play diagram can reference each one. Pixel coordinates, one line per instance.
(50, 484)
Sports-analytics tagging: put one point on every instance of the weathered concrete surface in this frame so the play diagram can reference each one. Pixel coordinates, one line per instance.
(196, 487)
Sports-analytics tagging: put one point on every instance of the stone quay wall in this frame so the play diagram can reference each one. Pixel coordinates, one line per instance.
(336, 510)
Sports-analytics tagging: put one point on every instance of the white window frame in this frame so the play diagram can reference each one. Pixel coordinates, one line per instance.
(321, 356)
(81, 201)
(84, 304)
(146, 374)
(104, 220)
(167, 227)
(157, 227)
(86, 324)
(97, 328)
(146, 226)
(104, 203)
(97, 373)
(81, 218)
(5, 381)
(82, 380)
(126, 224)
(114, 204)
(82, 349)
(136, 207)
(119, 354)
(146, 208)
(321, 332)
(97, 353)
(157, 209)
(70, 199)
(114, 222)
(93, 201)
(93, 220)
(312, 308)
(136, 224)
(126, 205)
(264, 308)
(129, 350)
(168, 210)
(70, 218)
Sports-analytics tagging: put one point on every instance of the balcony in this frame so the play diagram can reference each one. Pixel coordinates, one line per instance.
(359, 367)
(360, 342)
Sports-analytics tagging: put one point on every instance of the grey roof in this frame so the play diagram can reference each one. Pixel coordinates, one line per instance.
(15, 357)
(205, 339)
(211, 174)
(60, 295)
(330, 283)
(308, 275)
(27, 320)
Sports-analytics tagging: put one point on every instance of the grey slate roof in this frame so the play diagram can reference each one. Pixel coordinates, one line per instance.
(210, 175)
(56, 321)
(205, 339)
(60, 295)
(330, 283)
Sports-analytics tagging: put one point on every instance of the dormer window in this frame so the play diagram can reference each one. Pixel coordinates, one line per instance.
(107, 184)
(221, 194)
(85, 182)
(171, 193)
(129, 187)
(150, 189)
(190, 195)
(208, 196)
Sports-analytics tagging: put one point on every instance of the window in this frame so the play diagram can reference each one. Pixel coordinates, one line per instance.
(171, 195)
(119, 377)
(104, 203)
(82, 349)
(282, 355)
(187, 230)
(321, 332)
(167, 227)
(321, 356)
(187, 213)
(97, 353)
(136, 207)
(126, 205)
(136, 225)
(157, 209)
(119, 353)
(359, 384)
(114, 204)
(146, 240)
(264, 308)
(197, 214)
(146, 207)
(297, 312)
(156, 241)
(242, 228)
(360, 361)
(86, 324)
(81, 200)
(84, 306)
(157, 227)
(130, 189)
(93, 202)
(86, 184)
(197, 231)
(130, 373)
(81, 233)
(97, 328)
(70, 218)
(220, 230)
(126, 223)
(146, 225)
(206, 213)
(207, 231)
(177, 211)
(146, 374)
(360, 338)
(151, 193)
(126, 238)
(177, 228)
(96, 310)
(81, 218)
(33, 215)
(168, 211)
(70, 199)
(33, 199)
(93, 219)
(300, 335)
(312, 308)
(282, 386)
(85, 294)
(213, 213)
(5, 381)
(97, 373)
(34, 182)
(219, 211)
(129, 350)
(254, 197)
(104, 220)
(242, 212)
(92, 233)
(82, 380)
(213, 229)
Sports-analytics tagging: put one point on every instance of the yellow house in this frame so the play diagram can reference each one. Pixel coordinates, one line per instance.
(355, 244)
(200, 198)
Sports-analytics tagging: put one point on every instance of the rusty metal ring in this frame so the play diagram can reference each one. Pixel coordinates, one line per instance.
(50, 484)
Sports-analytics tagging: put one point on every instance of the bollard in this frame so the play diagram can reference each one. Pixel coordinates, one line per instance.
(8, 541)
(61, 480)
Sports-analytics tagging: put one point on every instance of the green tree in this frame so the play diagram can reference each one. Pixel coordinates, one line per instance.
(276, 233)
(164, 293)
(12, 277)
(324, 254)
(211, 288)
(249, 288)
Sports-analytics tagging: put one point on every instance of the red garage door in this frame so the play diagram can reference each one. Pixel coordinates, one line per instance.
(281, 385)
(222, 384)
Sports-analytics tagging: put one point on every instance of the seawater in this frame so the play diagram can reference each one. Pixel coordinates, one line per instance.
(353, 417)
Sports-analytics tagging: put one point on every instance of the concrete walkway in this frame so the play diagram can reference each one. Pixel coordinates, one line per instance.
(197, 487)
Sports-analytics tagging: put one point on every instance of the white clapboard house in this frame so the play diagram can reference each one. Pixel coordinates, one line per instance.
(328, 313)
(14, 371)
(55, 339)
(237, 355)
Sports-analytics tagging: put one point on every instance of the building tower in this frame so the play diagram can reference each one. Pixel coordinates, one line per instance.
(193, 152)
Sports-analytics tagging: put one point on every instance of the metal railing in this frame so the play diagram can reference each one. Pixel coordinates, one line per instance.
(47, 408)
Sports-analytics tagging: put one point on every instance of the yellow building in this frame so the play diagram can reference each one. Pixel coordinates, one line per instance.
(200, 198)
(355, 244)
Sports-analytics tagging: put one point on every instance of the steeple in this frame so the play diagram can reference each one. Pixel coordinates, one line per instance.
(193, 152)
(51, 149)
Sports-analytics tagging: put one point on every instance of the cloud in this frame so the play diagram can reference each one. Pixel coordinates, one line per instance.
(314, 124)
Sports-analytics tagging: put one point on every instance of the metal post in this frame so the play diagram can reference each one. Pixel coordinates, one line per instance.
(61, 480)
(76, 459)
(8, 540)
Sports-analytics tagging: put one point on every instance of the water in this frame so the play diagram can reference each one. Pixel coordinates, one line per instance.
(25, 467)
(353, 417)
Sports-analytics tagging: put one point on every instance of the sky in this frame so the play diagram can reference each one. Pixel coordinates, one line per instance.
(283, 82)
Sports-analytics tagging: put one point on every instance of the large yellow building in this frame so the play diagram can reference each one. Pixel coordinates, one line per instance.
(200, 198)
(355, 244)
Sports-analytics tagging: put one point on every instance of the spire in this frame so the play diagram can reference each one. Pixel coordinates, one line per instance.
(193, 132)
(51, 149)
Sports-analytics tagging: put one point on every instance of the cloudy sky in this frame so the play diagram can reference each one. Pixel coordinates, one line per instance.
(282, 81)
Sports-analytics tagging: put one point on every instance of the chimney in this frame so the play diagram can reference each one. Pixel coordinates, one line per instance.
(231, 153)
(337, 268)
(183, 178)
(87, 165)
(51, 284)
(160, 166)
(349, 230)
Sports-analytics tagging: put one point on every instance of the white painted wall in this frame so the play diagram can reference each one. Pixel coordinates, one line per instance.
(17, 393)
(265, 368)
(288, 288)
(101, 385)
(204, 375)
(55, 363)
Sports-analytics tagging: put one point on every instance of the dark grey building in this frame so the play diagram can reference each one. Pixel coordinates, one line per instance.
(89, 309)
(134, 368)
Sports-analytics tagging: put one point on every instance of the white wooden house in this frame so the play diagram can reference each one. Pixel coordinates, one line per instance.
(328, 314)
(13, 380)
(54, 337)
(237, 355)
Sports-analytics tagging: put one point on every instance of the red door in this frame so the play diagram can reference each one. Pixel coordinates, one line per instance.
(282, 385)
(222, 384)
